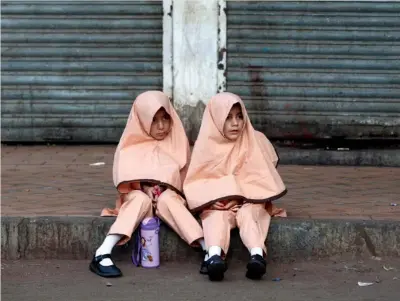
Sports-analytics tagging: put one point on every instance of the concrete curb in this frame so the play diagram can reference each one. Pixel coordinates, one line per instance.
(377, 157)
(72, 237)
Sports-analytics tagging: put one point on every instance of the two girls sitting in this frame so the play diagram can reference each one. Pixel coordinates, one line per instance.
(230, 180)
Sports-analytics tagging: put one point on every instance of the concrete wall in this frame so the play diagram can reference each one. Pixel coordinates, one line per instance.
(194, 56)
(73, 237)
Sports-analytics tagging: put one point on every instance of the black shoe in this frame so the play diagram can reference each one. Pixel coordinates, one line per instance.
(216, 267)
(104, 271)
(203, 267)
(256, 267)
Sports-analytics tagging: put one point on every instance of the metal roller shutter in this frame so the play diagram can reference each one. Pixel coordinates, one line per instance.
(317, 69)
(70, 70)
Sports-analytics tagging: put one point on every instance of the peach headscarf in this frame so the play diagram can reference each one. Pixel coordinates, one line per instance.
(139, 157)
(220, 168)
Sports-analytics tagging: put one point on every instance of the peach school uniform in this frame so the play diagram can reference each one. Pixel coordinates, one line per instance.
(141, 159)
(244, 170)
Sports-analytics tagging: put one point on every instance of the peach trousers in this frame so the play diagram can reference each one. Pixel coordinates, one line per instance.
(170, 208)
(253, 221)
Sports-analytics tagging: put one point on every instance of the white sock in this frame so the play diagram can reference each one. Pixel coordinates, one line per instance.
(108, 244)
(203, 246)
(214, 250)
(257, 251)
(202, 243)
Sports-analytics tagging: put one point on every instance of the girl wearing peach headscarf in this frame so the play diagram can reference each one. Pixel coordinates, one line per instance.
(231, 181)
(150, 164)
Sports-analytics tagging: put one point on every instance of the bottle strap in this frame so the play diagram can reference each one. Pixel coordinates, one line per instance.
(137, 249)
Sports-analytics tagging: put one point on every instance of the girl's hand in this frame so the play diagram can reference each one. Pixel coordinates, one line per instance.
(225, 205)
(218, 205)
(149, 191)
(235, 208)
(231, 204)
(158, 190)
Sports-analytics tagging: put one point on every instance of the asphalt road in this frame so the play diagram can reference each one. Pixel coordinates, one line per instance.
(331, 280)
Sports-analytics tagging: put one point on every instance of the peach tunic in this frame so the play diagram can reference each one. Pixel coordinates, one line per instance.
(138, 158)
(221, 169)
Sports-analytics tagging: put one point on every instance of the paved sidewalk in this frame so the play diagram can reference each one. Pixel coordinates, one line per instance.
(333, 280)
(58, 180)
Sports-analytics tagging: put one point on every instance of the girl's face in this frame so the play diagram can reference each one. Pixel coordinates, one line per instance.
(161, 125)
(234, 123)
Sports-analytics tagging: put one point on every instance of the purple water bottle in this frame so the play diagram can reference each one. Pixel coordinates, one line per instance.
(147, 253)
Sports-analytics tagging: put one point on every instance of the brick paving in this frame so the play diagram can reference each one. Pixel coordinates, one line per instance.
(58, 180)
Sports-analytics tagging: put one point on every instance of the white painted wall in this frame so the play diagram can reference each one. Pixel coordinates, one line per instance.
(194, 56)
(194, 44)
(167, 48)
(222, 26)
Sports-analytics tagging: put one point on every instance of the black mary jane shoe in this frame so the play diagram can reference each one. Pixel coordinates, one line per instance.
(104, 271)
(216, 267)
(256, 267)
(203, 266)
